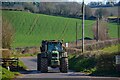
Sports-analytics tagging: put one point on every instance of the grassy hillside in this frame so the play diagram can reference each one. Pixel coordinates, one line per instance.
(31, 28)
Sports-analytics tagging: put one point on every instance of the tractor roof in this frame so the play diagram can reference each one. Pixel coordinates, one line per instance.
(47, 41)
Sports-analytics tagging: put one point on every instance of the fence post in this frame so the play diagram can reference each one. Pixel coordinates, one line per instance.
(66, 44)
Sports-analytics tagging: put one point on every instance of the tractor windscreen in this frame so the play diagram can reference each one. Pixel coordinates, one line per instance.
(54, 46)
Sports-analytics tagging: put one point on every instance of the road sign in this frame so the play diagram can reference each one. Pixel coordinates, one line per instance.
(117, 59)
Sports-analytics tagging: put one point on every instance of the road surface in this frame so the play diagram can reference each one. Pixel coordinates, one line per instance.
(32, 73)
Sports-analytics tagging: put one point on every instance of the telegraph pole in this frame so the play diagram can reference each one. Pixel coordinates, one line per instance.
(83, 15)
(76, 34)
(97, 29)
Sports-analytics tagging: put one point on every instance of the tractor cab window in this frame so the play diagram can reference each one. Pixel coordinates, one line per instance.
(54, 46)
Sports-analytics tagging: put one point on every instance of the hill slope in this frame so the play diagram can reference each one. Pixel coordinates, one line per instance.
(31, 28)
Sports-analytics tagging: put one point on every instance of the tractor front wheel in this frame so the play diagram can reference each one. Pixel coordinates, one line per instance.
(64, 65)
(44, 65)
(38, 62)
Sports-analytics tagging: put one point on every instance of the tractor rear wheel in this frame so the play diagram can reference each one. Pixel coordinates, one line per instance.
(44, 65)
(38, 62)
(64, 65)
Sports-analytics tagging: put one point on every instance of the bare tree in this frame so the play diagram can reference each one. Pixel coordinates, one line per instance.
(71, 9)
(7, 34)
(103, 31)
(30, 6)
(88, 12)
(7, 38)
(100, 13)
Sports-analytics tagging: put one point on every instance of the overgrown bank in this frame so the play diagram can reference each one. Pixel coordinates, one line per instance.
(99, 63)
(7, 75)
(12, 73)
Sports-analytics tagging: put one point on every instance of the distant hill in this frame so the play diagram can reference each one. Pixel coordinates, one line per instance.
(31, 28)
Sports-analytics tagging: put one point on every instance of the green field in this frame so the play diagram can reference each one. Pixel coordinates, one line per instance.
(31, 28)
(113, 30)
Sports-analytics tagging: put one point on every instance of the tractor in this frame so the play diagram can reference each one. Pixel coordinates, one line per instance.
(53, 55)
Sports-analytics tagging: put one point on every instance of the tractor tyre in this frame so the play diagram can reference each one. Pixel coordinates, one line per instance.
(44, 65)
(38, 62)
(64, 65)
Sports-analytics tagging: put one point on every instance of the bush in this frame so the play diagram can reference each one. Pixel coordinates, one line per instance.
(6, 54)
(106, 62)
(6, 75)
(95, 62)
(7, 34)
(101, 44)
(82, 62)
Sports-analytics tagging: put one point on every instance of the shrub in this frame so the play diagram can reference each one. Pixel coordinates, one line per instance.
(7, 34)
(96, 62)
(106, 62)
(6, 75)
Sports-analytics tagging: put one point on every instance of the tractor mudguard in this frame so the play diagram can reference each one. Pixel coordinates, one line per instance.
(43, 55)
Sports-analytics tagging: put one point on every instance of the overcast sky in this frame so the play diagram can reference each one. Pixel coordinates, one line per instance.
(88, 1)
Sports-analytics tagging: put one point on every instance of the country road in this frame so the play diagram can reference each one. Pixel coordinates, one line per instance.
(32, 73)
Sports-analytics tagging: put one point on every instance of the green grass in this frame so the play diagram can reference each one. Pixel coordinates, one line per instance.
(81, 64)
(21, 64)
(30, 29)
(23, 55)
(113, 30)
(113, 48)
(45, 27)
(7, 75)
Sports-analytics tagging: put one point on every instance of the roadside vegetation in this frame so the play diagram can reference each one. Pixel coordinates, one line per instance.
(13, 72)
(7, 75)
(22, 66)
(24, 55)
(7, 38)
(113, 48)
(96, 63)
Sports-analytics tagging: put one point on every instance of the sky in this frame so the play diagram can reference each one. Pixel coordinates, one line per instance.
(88, 1)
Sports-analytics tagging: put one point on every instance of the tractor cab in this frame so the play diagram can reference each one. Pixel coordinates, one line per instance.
(54, 46)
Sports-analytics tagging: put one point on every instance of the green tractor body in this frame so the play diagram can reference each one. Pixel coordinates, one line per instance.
(53, 55)
(55, 59)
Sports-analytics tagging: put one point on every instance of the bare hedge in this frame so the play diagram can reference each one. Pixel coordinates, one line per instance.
(100, 44)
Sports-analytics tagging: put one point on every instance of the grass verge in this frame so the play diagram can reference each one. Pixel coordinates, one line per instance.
(23, 55)
(7, 75)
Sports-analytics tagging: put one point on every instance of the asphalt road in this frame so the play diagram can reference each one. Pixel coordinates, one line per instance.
(32, 73)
